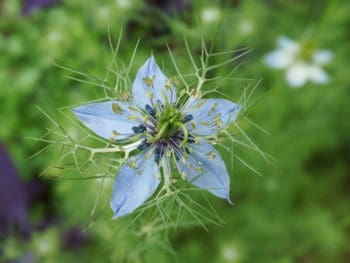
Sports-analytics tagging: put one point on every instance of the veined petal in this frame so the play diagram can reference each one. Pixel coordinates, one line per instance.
(297, 75)
(210, 115)
(151, 85)
(204, 168)
(111, 119)
(136, 182)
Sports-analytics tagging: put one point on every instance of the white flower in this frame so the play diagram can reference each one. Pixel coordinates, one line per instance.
(125, 4)
(301, 61)
(210, 14)
(231, 253)
(245, 27)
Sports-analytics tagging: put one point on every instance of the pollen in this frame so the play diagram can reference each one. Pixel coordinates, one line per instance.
(199, 169)
(184, 176)
(133, 108)
(132, 164)
(149, 81)
(149, 95)
(214, 107)
(116, 108)
(149, 154)
(210, 155)
(205, 123)
(201, 104)
(219, 124)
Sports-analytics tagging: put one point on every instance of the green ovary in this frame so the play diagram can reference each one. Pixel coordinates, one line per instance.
(307, 49)
(168, 123)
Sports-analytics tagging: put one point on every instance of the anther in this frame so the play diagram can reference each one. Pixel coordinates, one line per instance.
(116, 108)
(144, 145)
(150, 111)
(188, 118)
(157, 154)
(139, 129)
(161, 105)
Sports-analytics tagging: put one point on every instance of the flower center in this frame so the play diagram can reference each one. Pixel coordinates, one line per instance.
(168, 123)
(307, 49)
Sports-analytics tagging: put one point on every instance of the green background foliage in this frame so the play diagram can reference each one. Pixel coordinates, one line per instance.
(296, 211)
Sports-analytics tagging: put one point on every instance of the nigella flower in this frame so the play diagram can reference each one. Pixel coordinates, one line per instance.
(301, 60)
(167, 131)
(210, 14)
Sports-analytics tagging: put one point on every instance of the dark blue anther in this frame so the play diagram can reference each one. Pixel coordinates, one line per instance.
(160, 104)
(157, 154)
(188, 118)
(150, 111)
(190, 140)
(144, 145)
(139, 129)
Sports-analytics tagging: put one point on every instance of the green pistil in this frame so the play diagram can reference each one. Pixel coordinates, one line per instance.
(307, 49)
(184, 129)
(169, 123)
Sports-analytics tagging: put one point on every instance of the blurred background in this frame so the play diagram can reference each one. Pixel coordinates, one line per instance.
(297, 211)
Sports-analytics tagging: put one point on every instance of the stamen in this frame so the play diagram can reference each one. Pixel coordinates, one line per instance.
(200, 104)
(188, 118)
(199, 169)
(133, 108)
(144, 145)
(214, 106)
(157, 154)
(132, 164)
(211, 155)
(150, 111)
(149, 81)
(116, 108)
(191, 140)
(139, 129)
(161, 105)
(184, 176)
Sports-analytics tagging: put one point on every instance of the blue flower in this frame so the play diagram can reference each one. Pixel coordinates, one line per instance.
(167, 131)
(30, 6)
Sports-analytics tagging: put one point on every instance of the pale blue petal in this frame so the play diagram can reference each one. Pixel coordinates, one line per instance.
(285, 42)
(279, 59)
(297, 75)
(100, 118)
(211, 115)
(135, 184)
(205, 169)
(156, 89)
(322, 57)
(318, 75)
